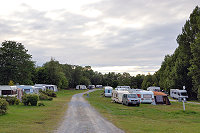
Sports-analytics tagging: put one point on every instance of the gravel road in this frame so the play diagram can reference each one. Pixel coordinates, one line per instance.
(82, 118)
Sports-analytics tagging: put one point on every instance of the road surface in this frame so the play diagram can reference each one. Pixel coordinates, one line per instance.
(82, 118)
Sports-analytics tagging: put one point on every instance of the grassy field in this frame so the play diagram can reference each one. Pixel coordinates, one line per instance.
(29, 119)
(147, 117)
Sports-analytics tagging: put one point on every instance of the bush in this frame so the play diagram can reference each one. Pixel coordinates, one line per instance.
(48, 93)
(44, 97)
(10, 100)
(30, 98)
(3, 106)
(41, 104)
(17, 101)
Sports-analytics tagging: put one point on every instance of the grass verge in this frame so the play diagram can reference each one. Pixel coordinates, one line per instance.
(147, 117)
(29, 119)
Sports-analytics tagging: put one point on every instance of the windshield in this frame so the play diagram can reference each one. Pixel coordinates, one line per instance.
(184, 94)
(132, 96)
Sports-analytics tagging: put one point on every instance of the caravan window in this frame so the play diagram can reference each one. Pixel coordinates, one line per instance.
(26, 90)
(108, 91)
(147, 96)
(6, 92)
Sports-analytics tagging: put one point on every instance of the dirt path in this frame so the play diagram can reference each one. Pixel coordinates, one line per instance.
(82, 118)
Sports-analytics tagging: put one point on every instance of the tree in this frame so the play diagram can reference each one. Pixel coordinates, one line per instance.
(15, 63)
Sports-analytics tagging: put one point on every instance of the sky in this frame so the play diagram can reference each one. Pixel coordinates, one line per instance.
(109, 35)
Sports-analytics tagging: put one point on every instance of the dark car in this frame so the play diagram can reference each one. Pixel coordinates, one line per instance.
(130, 99)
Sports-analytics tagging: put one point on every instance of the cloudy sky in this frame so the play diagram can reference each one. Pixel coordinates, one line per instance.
(109, 35)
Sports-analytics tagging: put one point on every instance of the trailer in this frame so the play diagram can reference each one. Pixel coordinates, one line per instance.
(117, 95)
(176, 94)
(153, 88)
(28, 89)
(145, 96)
(108, 91)
(81, 87)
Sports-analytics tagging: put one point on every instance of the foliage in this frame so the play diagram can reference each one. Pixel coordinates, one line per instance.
(17, 101)
(11, 83)
(45, 97)
(15, 63)
(31, 99)
(41, 104)
(48, 92)
(10, 100)
(3, 106)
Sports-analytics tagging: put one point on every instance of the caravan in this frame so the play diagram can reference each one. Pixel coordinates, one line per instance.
(27, 88)
(145, 96)
(12, 91)
(81, 87)
(153, 88)
(108, 91)
(117, 95)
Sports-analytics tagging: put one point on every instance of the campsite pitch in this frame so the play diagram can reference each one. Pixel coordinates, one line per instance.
(147, 117)
(82, 118)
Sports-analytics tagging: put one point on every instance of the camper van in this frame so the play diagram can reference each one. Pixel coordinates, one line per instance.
(130, 98)
(176, 93)
(145, 96)
(108, 91)
(153, 88)
(117, 95)
(81, 87)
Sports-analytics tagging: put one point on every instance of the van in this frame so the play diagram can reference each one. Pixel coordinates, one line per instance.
(153, 88)
(176, 93)
(130, 98)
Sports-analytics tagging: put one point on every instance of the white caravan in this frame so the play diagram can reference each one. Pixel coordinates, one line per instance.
(6, 90)
(145, 96)
(99, 86)
(81, 87)
(52, 87)
(108, 91)
(153, 88)
(127, 87)
(176, 93)
(117, 95)
(27, 88)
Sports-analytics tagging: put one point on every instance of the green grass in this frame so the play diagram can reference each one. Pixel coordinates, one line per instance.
(147, 117)
(29, 119)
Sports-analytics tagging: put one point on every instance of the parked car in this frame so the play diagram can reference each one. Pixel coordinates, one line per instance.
(130, 98)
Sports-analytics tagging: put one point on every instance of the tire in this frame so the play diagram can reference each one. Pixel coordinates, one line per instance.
(138, 105)
(127, 103)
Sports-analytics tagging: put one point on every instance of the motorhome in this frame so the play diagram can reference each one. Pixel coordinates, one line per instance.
(108, 91)
(176, 93)
(117, 95)
(145, 96)
(153, 88)
(130, 98)
(81, 87)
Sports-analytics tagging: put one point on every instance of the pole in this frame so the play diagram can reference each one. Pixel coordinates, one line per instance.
(183, 104)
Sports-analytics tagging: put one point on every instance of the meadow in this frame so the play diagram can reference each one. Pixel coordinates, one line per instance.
(36, 119)
(148, 118)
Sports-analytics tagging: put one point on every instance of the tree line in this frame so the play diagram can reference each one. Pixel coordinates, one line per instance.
(182, 68)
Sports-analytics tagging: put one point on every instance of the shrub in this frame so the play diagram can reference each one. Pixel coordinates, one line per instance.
(30, 98)
(41, 104)
(3, 106)
(17, 101)
(44, 97)
(10, 100)
(48, 93)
